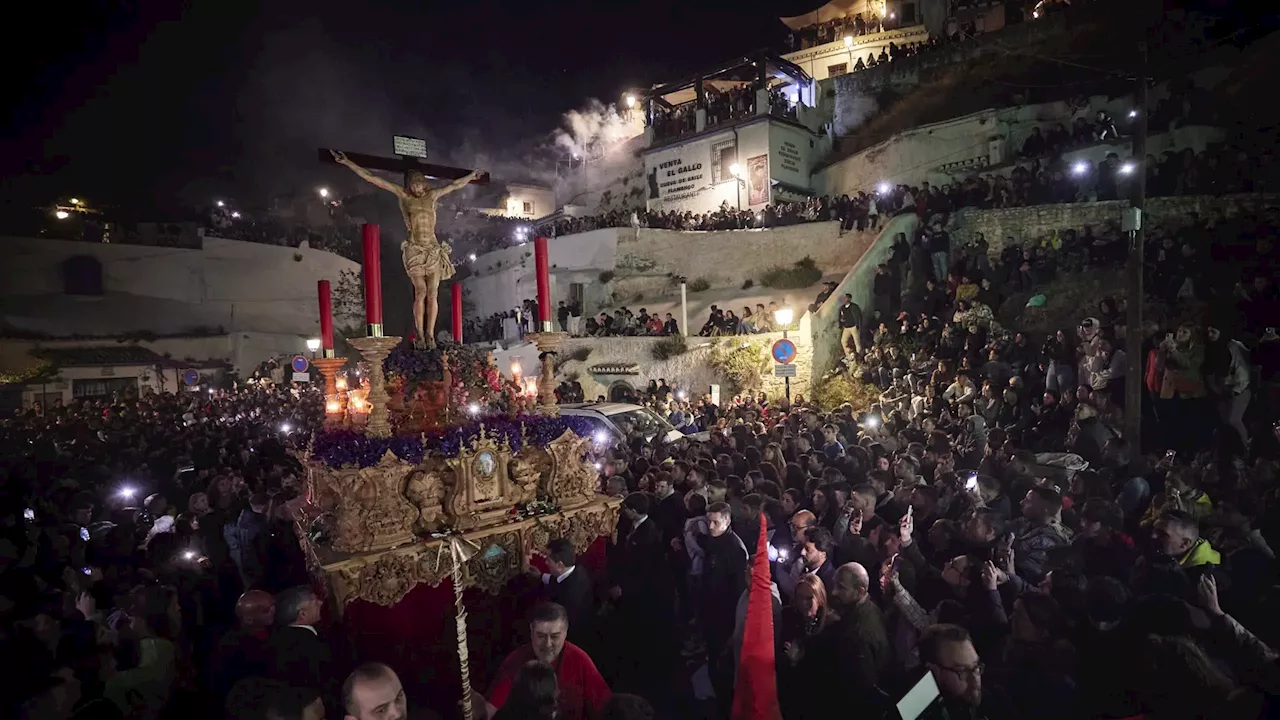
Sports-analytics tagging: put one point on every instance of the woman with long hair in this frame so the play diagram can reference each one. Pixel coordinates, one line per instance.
(804, 652)
(535, 694)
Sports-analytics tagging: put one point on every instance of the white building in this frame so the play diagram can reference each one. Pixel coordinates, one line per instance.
(743, 135)
(207, 302)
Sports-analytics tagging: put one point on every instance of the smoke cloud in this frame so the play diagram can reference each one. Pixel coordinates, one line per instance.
(594, 130)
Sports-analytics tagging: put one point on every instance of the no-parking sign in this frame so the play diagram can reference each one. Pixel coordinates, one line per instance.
(784, 352)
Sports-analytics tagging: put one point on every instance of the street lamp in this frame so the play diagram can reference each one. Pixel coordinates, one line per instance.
(62, 214)
(736, 171)
(848, 45)
(219, 203)
(75, 201)
(630, 100)
(324, 192)
(313, 345)
(783, 317)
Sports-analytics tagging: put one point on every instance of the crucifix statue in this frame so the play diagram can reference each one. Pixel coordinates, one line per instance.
(426, 259)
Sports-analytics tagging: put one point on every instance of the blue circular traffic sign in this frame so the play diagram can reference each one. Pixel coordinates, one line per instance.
(300, 364)
(190, 376)
(784, 351)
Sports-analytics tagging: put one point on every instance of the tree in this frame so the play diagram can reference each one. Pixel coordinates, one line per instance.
(348, 304)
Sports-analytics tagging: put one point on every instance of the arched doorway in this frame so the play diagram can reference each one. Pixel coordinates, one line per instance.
(620, 391)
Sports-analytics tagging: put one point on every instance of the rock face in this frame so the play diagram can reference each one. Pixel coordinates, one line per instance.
(1025, 224)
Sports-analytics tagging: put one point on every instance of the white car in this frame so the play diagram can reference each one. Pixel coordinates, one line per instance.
(622, 420)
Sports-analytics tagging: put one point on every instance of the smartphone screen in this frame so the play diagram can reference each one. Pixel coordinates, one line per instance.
(918, 698)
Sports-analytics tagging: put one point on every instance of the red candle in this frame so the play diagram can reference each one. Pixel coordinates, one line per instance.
(544, 283)
(373, 279)
(457, 311)
(326, 318)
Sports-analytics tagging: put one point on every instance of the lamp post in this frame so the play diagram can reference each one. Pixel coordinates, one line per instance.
(848, 46)
(783, 317)
(736, 171)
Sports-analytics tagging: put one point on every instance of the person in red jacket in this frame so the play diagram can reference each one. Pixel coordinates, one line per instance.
(582, 689)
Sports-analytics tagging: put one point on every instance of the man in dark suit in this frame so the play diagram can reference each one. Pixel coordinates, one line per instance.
(244, 652)
(299, 656)
(570, 586)
(643, 592)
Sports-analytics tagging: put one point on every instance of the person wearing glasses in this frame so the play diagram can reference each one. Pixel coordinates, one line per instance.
(948, 652)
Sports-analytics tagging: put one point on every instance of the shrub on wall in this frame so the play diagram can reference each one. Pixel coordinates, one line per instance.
(606, 276)
(580, 355)
(699, 284)
(841, 387)
(669, 347)
(802, 274)
(746, 284)
(742, 363)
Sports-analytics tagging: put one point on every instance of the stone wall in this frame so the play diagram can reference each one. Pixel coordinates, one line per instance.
(691, 371)
(727, 259)
(1029, 223)
(615, 266)
(825, 324)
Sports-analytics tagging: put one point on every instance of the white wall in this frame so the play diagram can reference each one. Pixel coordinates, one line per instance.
(818, 60)
(644, 261)
(690, 371)
(542, 201)
(147, 377)
(986, 141)
(685, 177)
(262, 296)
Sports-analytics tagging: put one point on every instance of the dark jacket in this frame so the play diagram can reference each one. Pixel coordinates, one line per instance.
(640, 569)
(577, 594)
(246, 541)
(863, 655)
(300, 658)
(850, 316)
(724, 577)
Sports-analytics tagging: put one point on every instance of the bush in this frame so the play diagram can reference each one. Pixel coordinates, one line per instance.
(842, 387)
(746, 284)
(579, 354)
(699, 285)
(742, 363)
(606, 276)
(669, 347)
(804, 273)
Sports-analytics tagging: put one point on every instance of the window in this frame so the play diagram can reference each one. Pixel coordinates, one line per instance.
(576, 293)
(528, 208)
(102, 388)
(839, 69)
(82, 275)
(723, 155)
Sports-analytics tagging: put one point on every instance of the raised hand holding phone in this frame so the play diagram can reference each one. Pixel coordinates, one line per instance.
(906, 526)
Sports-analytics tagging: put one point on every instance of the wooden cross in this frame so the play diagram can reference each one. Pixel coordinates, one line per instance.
(402, 164)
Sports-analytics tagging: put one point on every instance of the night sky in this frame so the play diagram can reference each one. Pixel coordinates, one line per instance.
(143, 104)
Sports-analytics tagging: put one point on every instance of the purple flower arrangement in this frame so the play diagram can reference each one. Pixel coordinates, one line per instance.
(413, 365)
(349, 448)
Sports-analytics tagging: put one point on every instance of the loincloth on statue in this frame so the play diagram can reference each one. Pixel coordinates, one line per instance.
(427, 258)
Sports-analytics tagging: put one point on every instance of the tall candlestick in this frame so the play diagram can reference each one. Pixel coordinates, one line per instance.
(373, 279)
(457, 311)
(543, 267)
(326, 319)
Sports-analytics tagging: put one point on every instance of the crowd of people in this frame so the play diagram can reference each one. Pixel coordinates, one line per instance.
(722, 105)
(340, 237)
(985, 523)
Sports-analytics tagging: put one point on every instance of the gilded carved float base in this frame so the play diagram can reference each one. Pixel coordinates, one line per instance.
(384, 578)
